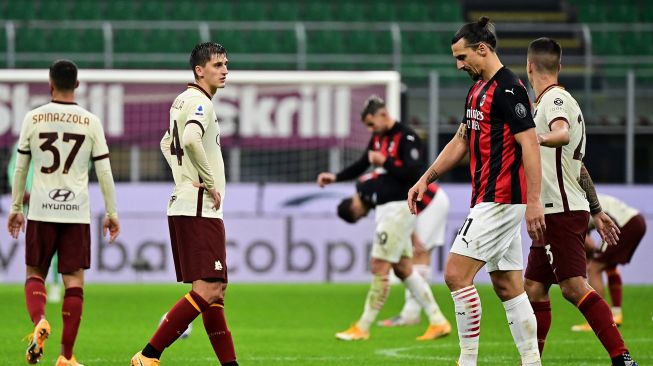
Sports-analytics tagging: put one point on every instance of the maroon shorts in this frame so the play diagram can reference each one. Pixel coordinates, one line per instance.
(71, 241)
(631, 234)
(562, 253)
(198, 248)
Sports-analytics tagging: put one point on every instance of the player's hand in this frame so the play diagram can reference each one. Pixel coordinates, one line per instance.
(325, 178)
(415, 195)
(15, 224)
(608, 230)
(535, 223)
(217, 199)
(376, 158)
(540, 139)
(111, 226)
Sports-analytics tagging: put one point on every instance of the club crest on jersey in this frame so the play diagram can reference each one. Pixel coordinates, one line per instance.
(482, 100)
(520, 110)
(199, 111)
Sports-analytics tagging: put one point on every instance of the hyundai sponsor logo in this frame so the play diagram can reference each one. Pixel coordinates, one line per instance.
(61, 195)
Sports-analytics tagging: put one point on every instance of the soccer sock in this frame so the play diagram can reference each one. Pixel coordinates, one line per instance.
(467, 304)
(175, 323)
(523, 326)
(35, 296)
(598, 315)
(424, 296)
(218, 332)
(615, 286)
(71, 313)
(376, 296)
(542, 311)
(411, 307)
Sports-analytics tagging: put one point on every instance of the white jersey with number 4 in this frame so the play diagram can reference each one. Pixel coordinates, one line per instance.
(561, 190)
(194, 106)
(62, 138)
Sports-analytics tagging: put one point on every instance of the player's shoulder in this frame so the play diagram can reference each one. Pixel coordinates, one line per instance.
(558, 97)
(407, 131)
(506, 78)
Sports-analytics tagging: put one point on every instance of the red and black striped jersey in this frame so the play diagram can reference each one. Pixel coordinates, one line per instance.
(496, 110)
(404, 164)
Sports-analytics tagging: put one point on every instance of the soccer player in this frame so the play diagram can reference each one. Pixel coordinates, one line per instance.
(499, 133)
(395, 152)
(429, 232)
(559, 257)
(632, 226)
(191, 147)
(60, 138)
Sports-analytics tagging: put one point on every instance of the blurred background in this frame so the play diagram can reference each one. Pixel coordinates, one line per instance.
(281, 129)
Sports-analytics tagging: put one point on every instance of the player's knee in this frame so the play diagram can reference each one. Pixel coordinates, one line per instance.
(573, 290)
(454, 279)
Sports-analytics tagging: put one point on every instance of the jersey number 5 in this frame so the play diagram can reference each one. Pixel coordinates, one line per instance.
(175, 145)
(48, 145)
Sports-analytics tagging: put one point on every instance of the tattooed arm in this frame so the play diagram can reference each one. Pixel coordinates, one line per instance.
(452, 153)
(604, 225)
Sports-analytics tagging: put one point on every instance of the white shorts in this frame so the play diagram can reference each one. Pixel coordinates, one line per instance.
(432, 222)
(492, 234)
(394, 224)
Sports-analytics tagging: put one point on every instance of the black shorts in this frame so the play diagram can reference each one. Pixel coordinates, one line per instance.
(198, 248)
(71, 241)
(562, 253)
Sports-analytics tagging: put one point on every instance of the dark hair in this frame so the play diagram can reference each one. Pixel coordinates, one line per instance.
(545, 54)
(345, 212)
(63, 74)
(202, 53)
(372, 105)
(476, 33)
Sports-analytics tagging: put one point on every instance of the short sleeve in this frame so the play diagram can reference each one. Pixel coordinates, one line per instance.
(515, 107)
(200, 112)
(100, 149)
(556, 110)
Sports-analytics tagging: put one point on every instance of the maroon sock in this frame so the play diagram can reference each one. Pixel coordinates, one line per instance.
(599, 317)
(71, 313)
(219, 335)
(177, 320)
(614, 285)
(542, 311)
(35, 296)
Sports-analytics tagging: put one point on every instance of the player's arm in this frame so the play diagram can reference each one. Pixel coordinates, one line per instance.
(16, 221)
(192, 142)
(358, 167)
(102, 164)
(608, 230)
(165, 144)
(410, 151)
(453, 152)
(559, 135)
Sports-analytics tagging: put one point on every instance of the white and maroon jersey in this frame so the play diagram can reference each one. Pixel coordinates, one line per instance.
(62, 138)
(561, 190)
(618, 210)
(194, 106)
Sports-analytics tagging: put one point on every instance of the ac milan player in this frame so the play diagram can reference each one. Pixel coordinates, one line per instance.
(498, 132)
(395, 152)
(559, 257)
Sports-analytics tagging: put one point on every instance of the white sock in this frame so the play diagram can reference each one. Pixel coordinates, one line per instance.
(424, 296)
(411, 307)
(523, 327)
(376, 296)
(468, 317)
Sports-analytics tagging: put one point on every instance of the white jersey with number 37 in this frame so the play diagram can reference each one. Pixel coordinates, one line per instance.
(561, 190)
(194, 106)
(62, 138)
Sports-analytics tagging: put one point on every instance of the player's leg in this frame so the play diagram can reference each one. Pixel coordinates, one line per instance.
(615, 287)
(71, 314)
(421, 291)
(374, 301)
(595, 271)
(54, 288)
(40, 246)
(215, 322)
(538, 295)
(509, 287)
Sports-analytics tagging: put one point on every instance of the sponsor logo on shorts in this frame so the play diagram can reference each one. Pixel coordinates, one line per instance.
(61, 195)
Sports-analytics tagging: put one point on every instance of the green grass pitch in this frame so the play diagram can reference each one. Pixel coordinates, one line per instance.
(295, 325)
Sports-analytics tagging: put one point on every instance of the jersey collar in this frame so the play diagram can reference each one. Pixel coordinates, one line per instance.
(539, 97)
(195, 86)
(60, 102)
